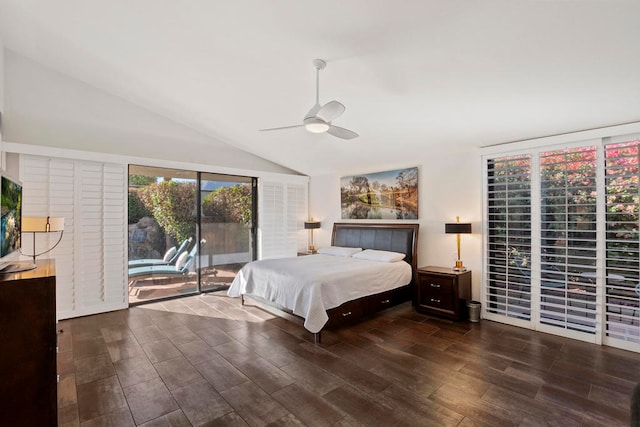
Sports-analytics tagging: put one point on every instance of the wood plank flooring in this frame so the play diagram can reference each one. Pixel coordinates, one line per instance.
(207, 360)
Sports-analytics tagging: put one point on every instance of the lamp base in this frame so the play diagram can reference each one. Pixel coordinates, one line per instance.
(459, 266)
(17, 267)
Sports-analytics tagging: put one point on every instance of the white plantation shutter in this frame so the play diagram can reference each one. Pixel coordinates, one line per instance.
(90, 276)
(114, 225)
(568, 239)
(48, 190)
(297, 213)
(281, 214)
(508, 289)
(580, 265)
(89, 248)
(622, 270)
(270, 220)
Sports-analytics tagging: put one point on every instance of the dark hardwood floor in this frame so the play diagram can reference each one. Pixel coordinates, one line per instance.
(206, 360)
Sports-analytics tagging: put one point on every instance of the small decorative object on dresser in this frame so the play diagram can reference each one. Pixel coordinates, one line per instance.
(443, 292)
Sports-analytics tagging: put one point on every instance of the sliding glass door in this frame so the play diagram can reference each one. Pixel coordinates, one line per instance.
(226, 228)
(188, 231)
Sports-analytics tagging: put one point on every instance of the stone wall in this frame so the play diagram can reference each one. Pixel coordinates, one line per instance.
(146, 239)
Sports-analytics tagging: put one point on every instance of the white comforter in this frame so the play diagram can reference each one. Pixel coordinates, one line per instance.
(310, 285)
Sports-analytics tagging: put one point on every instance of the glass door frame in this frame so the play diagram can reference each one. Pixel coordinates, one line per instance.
(253, 247)
(197, 262)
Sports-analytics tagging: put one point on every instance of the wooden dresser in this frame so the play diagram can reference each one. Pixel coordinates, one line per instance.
(28, 378)
(442, 291)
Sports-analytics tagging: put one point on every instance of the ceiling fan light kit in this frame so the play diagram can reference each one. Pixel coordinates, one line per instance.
(316, 125)
(319, 118)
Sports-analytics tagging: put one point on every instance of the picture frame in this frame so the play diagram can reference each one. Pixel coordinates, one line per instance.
(383, 195)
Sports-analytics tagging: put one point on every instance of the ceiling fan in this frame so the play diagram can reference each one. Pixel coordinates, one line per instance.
(319, 118)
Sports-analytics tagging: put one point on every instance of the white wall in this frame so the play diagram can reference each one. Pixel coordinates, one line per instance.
(450, 185)
(46, 108)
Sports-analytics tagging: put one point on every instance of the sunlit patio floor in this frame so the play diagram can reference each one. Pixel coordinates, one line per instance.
(143, 289)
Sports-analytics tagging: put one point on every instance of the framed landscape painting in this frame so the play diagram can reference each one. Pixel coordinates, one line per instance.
(380, 195)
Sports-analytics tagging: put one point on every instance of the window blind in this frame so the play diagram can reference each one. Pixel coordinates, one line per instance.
(270, 224)
(621, 278)
(574, 269)
(282, 211)
(297, 213)
(568, 238)
(508, 286)
(90, 275)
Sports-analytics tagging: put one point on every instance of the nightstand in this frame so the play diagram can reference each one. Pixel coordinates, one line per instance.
(442, 291)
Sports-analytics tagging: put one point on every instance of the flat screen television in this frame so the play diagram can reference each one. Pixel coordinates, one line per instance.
(11, 226)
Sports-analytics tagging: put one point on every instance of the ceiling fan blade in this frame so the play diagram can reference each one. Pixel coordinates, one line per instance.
(330, 111)
(341, 132)
(284, 127)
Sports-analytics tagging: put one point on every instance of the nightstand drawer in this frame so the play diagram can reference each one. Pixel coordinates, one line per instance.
(436, 292)
(437, 285)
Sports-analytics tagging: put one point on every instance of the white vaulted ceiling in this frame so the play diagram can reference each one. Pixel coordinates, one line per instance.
(414, 75)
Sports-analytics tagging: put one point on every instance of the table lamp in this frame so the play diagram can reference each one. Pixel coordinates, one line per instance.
(458, 228)
(46, 224)
(311, 225)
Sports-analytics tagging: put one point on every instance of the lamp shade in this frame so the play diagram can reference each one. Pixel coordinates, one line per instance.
(457, 228)
(43, 224)
(311, 225)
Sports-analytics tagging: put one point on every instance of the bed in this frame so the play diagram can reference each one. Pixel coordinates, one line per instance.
(328, 290)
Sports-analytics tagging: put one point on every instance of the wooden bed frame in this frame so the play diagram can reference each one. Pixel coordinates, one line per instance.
(388, 237)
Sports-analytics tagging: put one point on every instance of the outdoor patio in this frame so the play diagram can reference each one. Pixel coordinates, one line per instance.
(144, 289)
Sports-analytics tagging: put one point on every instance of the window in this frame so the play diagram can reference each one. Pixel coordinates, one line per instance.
(509, 236)
(622, 268)
(568, 238)
(189, 231)
(562, 248)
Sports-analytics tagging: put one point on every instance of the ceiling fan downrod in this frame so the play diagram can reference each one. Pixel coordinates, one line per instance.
(319, 64)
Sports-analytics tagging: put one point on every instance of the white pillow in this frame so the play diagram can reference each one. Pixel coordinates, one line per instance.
(339, 251)
(169, 254)
(382, 256)
(182, 260)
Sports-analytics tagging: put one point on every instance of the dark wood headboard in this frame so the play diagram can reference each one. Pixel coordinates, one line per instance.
(386, 237)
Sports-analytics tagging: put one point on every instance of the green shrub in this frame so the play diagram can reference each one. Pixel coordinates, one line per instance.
(172, 204)
(229, 204)
(141, 180)
(136, 210)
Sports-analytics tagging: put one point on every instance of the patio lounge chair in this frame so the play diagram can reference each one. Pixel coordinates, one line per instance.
(181, 266)
(170, 257)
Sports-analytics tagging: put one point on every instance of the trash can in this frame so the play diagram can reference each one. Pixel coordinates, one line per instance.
(474, 311)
